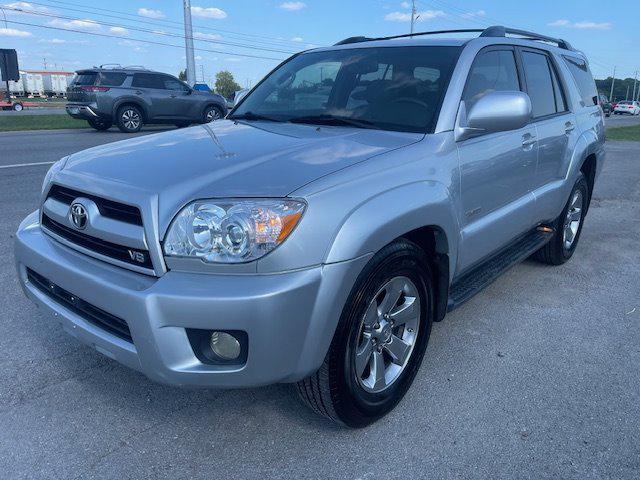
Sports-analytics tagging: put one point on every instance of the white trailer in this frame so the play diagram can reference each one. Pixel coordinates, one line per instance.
(33, 84)
(16, 88)
(55, 84)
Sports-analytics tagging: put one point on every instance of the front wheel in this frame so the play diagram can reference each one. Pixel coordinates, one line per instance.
(568, 226)
(17, 107)
(129, 119)
(211, 113)
(100, 125)
(379, 342)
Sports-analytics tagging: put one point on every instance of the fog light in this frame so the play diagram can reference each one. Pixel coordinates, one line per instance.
(225, 345)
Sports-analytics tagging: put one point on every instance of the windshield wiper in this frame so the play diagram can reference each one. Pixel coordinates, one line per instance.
(253, 116)
(333, 120)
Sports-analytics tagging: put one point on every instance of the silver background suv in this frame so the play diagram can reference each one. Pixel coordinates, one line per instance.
(353, 197)
(131, 97)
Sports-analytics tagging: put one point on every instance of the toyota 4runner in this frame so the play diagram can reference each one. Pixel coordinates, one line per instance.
(353, 197)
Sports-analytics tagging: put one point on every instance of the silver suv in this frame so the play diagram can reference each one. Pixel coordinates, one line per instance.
(130, 97)
(351, 199)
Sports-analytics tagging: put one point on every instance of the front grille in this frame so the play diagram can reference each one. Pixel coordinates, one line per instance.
(97, 245)
(94, 315)
(108, 208)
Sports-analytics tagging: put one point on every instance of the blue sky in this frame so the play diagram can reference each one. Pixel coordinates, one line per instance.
(228, 29)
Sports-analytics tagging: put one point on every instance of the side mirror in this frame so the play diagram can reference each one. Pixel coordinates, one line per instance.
(494, 112)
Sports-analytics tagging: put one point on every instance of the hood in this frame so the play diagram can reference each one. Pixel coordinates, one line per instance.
(230, 159)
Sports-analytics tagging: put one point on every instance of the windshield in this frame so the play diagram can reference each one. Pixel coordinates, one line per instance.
(389, 88)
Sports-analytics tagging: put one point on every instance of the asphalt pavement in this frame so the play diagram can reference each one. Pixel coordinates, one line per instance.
(536, 377)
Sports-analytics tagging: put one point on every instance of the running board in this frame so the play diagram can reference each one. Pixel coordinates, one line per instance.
(485, 273)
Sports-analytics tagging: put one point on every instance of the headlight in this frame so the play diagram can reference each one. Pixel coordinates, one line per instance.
(56, 167)
(231, 231)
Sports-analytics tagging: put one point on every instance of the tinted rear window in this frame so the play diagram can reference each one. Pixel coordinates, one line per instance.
(85, 78)
(539, 84)
(584, 80)
(112, 79)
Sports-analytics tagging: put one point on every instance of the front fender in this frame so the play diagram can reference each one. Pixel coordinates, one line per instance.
(383, 218)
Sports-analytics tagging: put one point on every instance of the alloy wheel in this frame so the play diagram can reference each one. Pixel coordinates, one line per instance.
(131, 119)
(387, 335)
(212, 114)
(572, 220)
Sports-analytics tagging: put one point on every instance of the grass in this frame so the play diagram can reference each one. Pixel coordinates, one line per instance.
(631, 133)
(10, 123)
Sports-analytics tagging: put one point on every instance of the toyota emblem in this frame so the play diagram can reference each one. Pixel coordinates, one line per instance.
(79, 216)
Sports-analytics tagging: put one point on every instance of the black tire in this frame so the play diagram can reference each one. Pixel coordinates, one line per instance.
(335, 390)
(182, 124)
(556, 251)
(100, 125)
(129, 119)
(17, 107)
(212, 113)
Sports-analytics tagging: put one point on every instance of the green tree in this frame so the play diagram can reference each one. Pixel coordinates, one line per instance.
(182, 75)
(225, 84)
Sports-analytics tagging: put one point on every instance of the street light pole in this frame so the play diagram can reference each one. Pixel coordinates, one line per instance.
(413, 14)
(635, 79)
(613, 79)
(188, 42)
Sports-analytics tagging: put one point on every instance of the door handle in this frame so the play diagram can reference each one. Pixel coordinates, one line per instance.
(528, 140)
(173, 96)
(138, 92)
(569, 127)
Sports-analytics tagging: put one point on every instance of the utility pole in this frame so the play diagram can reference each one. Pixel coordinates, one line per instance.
(413, 14)
(188, 42)
(44, 63)
(635, 79)
(626, 97)
(202, 73)
(613, 79)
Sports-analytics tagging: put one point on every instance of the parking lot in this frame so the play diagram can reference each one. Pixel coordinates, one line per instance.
(536, 377)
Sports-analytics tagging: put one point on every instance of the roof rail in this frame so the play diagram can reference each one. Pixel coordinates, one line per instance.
(494, 31)
(134, 67)
(500, 31)
(110, 65)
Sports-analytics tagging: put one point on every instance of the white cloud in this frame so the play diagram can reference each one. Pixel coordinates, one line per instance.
(26, 7)
(406, 17)
(479, 13)
(60, 41)
(75, 24)
(292, 6)
(233, 59)
(119, 30)
(12, 32)
(405, 5)
(206, 36)
(211, 12)
(151, 13)
(197, 57)
(581, 25)
(297, 39)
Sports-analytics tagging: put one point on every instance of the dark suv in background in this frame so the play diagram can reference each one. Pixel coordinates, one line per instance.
(130, 97)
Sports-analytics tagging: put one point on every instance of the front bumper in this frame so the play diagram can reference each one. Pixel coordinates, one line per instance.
(289, 317)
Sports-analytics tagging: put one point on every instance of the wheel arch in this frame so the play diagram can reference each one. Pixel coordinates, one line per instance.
(213, 103)
(422, 212)
(133, 102)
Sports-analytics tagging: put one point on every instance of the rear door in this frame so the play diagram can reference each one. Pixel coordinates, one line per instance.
(555, 129)
(496, 169)
(76, 92)
(150, 88)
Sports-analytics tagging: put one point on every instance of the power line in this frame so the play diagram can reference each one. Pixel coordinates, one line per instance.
(106, 35)
(156, 22)
(146, 30)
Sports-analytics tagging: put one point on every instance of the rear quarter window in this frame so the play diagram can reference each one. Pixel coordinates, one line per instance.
(584, 80)
(85, 78)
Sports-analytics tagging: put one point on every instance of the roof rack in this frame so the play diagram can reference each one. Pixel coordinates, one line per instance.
(494, 31)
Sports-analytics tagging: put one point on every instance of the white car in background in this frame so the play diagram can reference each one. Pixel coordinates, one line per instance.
(627, 106)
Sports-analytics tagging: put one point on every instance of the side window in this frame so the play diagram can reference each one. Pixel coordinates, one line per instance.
(110, 79)
(539, 83)
(147, 80)
(492, 71)
(584, 80)
(171, 83)
(561, 104)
